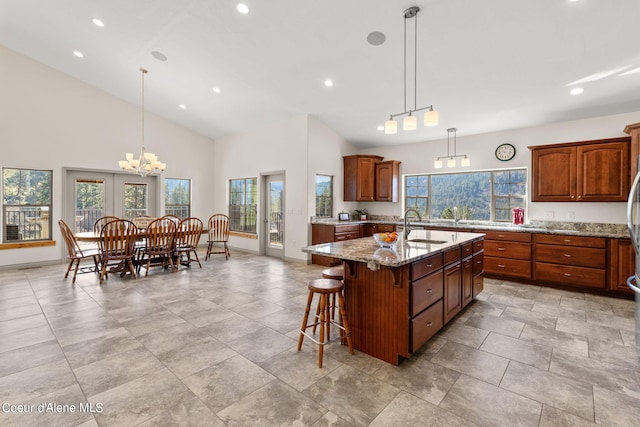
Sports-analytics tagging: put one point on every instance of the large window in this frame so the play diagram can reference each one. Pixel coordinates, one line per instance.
(324, 195)
(482, 196)
(243, 204)
(135, 200)
(177, 197)
(26, 208)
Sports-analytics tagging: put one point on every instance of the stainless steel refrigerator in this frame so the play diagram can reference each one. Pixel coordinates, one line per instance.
(633, 222)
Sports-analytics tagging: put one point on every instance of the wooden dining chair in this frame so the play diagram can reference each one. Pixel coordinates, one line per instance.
(116, 245)
(218, 233)
(159, 238)
(187, 239)
(100, 222)
(75, 254)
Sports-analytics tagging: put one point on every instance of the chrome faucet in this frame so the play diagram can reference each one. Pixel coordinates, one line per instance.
(456, 218)
(407, 228)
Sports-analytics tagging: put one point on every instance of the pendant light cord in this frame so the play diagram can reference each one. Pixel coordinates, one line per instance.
(143, 73)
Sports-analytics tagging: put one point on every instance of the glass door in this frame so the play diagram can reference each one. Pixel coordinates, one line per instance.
(274, 215)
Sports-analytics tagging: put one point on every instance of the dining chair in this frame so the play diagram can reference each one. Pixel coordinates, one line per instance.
(116, 243)
(100, 222)
(159, 238)
(187, 239)
(75, 254)
(173, 218)
(218, 233)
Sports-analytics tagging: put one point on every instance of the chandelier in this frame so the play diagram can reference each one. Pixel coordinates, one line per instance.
(451, 160)
(410, 121)
(146, 163)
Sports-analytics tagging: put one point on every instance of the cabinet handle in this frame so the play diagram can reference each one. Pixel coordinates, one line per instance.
(501, 249)
(501, 265)
(429, 324)
(429, 290)
(429, 265)
(572, 196)
(567, 240)
(567, 255)
(501, 235)
(567, 274)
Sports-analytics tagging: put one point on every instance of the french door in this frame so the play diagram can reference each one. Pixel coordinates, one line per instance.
(91, 195)
(273, 215)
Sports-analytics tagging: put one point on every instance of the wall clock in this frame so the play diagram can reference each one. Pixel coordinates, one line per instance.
(505, 152)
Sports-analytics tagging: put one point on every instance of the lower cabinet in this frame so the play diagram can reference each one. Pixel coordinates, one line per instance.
(426, 324)
(507, 254)
(621, 264)
(467, 280)
(327, 233)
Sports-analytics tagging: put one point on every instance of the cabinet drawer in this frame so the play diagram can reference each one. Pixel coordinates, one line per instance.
(451, 255)
(425, 325)
(478, 285)
(478, 245)
(425, 266)
(572, 275)
(338, 237)
(513, 250)
(571, 255)
(467, 249)
(346, 228)
(511, 236)
(566, 240)
(507, 267)
(425, 292)
(386, 228)
(478, 263)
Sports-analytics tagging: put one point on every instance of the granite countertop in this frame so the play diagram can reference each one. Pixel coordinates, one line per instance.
(366, 249)
(616, 231)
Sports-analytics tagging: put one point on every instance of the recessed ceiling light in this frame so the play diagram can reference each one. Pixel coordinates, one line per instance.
(159, 55)
(216, 89)
(78, 54)
(576, 91)
(380, 128)
(184, 107)
(98, 22)
(328, 83)
(242, 8)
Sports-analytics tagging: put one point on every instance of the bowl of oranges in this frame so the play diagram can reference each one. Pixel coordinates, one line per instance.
(386, 240)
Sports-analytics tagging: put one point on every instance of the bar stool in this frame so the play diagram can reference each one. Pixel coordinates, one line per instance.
(336, 273)
(325, 288)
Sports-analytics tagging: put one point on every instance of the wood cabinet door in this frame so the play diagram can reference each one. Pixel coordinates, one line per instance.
(467, 281)
(387, 176)
(603, 172)
(452, 291)
(621, 264)
(554, 174)
(365, 181)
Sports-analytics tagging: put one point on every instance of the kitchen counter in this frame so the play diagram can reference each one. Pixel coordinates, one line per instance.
(421, 244)
(615, 231)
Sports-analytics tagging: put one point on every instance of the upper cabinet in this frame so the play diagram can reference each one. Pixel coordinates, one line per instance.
(387, 181)
(590, 171)
(369, 178)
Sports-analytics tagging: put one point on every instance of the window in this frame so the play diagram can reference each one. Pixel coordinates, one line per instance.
(482, 195)
(243, 205)
(90, 202)
(324, 195)
(26, 204)
(177, 197)
(135, 200)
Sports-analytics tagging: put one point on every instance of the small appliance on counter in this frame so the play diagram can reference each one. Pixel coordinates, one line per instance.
(518, 215)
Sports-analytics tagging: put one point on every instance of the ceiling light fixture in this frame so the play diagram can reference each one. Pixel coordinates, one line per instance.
(146, 163)
(576, 91)
(451, 160)
(242, 8)
(328, 83)
(216, 90)
(78, 54)
(98, 22)
(410, 121)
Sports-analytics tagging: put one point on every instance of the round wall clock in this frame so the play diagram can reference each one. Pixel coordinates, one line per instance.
(505, 152)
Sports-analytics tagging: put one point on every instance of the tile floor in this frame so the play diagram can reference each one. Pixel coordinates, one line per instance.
(217, 346)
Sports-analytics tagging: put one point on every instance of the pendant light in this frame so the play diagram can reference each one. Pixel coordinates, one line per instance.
(451, 159)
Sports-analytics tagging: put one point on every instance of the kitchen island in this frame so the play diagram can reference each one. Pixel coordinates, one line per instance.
(398, 298)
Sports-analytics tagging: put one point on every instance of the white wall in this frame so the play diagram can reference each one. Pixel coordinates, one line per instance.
(419, 158)
(279, 147)
(49, 120)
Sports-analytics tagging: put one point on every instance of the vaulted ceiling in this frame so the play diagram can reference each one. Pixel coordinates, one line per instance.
(484, 65)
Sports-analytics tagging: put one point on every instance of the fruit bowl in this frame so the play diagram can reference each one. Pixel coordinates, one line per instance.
(386, 240)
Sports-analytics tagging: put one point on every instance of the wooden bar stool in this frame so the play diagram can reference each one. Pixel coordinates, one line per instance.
(336, 273)
(325, 288)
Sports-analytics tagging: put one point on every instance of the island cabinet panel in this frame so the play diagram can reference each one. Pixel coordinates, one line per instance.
(425, 291)
(425, 325)
(467, 280)
(621, 264)
(378, 311)
(425, 266)
(452, 291)
(359, 177)
(569, 260)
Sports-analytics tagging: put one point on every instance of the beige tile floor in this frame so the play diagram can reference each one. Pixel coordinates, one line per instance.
(217, 346)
